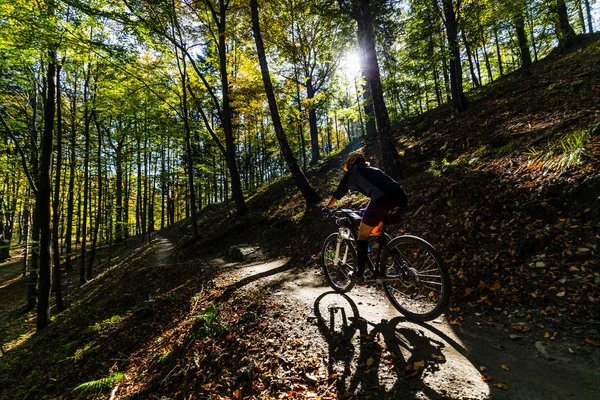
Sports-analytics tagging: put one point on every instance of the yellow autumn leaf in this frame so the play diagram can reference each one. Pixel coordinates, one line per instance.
(502, 386)
(370, 361)
(505, 367)
(547, 335)
(418, 365)
(574, 269)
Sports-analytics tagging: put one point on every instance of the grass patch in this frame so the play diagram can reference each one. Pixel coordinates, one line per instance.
(100, 384)
(568, 152)
(106, 324)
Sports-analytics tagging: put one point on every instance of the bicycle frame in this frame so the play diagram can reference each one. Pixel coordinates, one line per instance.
(347, 231)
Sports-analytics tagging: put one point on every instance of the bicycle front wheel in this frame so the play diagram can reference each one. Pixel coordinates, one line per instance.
(337, 273)
(422, 289)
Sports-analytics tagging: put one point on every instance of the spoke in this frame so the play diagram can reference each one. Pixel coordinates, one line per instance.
(429, 270)
(433, 283)
(429, 276)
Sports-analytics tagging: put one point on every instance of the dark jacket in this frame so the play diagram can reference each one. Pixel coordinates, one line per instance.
(371, 182)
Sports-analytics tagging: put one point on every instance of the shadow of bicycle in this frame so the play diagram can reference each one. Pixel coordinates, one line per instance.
(379, 360)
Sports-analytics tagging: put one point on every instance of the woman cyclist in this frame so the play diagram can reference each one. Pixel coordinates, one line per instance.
(387, 197)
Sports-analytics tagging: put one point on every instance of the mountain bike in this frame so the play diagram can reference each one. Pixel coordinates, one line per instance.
(412, 273)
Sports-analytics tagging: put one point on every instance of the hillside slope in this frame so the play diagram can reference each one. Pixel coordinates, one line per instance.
(507, 191)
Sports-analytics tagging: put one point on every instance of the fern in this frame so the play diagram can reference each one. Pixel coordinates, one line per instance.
(104, 383)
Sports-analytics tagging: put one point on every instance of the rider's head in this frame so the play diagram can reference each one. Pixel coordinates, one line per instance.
(355, 158)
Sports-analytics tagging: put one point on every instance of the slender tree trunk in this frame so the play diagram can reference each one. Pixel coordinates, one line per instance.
(56, 201)
(35, 220)
(188, 147)
(71, 189)
(470, 59)
(26, 225)
(532, 34)
(312, 123)
(581, 17)
(456, 85)
(99, 203)
(310, 195)
(498, 53)
(236, 185)
(43, 197)
(119, 223)
(86, 179)
(588, 11)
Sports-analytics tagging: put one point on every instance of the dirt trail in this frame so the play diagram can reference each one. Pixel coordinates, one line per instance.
(350, 331)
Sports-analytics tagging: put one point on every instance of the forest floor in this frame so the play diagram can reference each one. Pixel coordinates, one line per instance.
(508, 192)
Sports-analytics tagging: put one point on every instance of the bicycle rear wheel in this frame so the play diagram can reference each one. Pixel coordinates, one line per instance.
(424, 294)
(337, 275)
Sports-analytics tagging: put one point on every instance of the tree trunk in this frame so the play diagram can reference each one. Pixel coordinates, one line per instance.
(456, 85)
(86, 178)
(312, 123)
(565, 32)
(56, 201)
(43, 197)
(119, 231)
(470, 58)
(581, 17)
(497, 41)
(98, 207)
(310, 195)
(362, 15)
(523, 46)
(26, 225)
(370, 117)
(588, 11)
(71, 189)
(188, 149)
(370, 125)
(230, 156)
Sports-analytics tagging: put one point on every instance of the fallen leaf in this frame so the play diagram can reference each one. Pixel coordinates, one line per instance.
(370, 361)
(592, 341)
(502, 386)
(486, 378)
(505, 367)
(418, 364)
(438, 358)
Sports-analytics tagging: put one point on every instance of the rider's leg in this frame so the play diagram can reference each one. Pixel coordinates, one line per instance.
(362, 245)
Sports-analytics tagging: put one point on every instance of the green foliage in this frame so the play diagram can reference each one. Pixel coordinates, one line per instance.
(168, 358)
(104, 325)
(100, 384)
(567, 152)
(209, 323)
(82, 351)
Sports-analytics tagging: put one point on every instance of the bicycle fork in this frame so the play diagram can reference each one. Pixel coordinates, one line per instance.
(343, 233)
